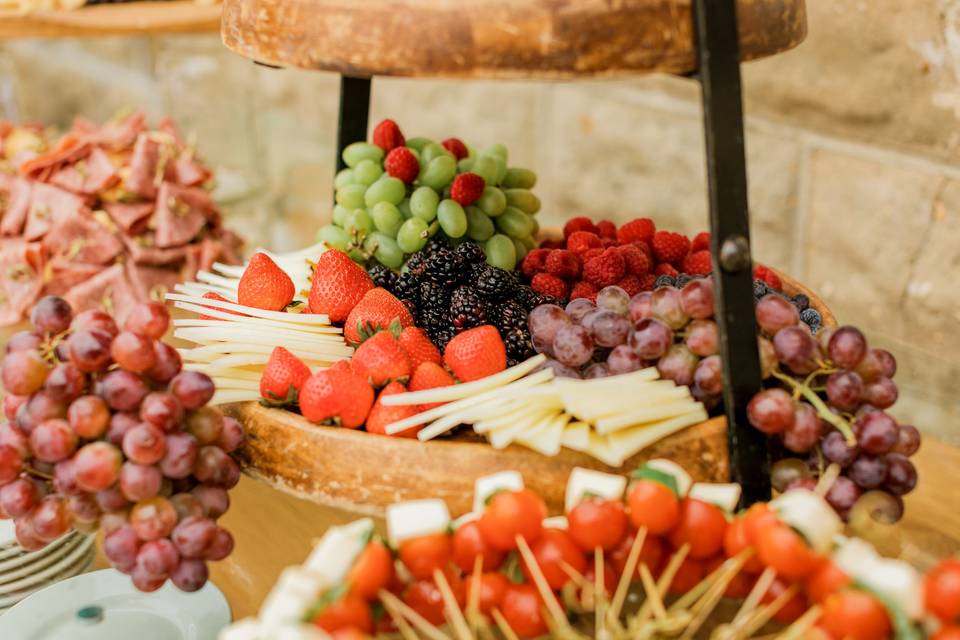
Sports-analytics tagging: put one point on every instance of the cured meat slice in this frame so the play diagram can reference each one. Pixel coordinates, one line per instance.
(151, 283)
(60, 275)
(143, 251)
(178, 218)
(108, 290)
(188, 171)
(69, 148)
(89, 176)
(18, 204)
(118, 135)
(20, 281)
(130, 216)
(82, 239)
(49, 203)
(143, 167)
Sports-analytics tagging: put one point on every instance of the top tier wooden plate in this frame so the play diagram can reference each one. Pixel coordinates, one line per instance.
(493, 38)
(129, 18)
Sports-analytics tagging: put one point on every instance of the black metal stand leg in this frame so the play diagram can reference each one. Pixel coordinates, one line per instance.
(354, 113)
(719, 75)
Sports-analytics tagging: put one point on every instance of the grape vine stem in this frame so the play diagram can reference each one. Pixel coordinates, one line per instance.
(822, 410)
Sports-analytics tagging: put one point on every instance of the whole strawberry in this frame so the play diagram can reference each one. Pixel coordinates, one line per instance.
(606, 269)
(402, 164)
(337, 395)
(213, 295)
(380, 416)
(387, 135)
(430, 375)
(466, 188)
(264, 285)
(376, 310)
(456, 147)
(476, 353)
(380, 360)
(283, 377)
(418, 347)
(670, 247)
(338, 285)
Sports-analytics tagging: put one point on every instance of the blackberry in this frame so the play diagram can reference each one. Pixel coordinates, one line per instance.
(801, 302)
(518, 344)
(466, 309)
(407, 287)
(664, 281)
(443, 266)
(410, 305)
(525, 297)
(471, 253)
(496, 284)
(384, 277)
(435, 295)
(509, 315)
(760, 289)
(475, 270)
(441, 336)
(542, 298)
(811, 317)
(417, 263)
(432, 318)
(683, 279)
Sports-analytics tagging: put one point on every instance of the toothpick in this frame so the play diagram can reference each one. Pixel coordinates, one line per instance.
(560, 619)
(503, 625)
(653, 593)
(709, 601)
(578, 578)
(688, 599)
(405, 630)
(802, 624)
(600, 591)
(473, 597)
(753, 598)
(422, 624)
(664, 582)
(763, 615)
(623, 586)
(451, 608)
(827, 479)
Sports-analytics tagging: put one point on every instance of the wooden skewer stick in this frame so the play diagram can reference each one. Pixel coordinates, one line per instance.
(801, 625)
(503, 625)
(705, 605)
(578, 578)
(763, 615)
(663, 583)
(452, 610)
(827, 479)
(600, 594)
(402, 625)
(553, 607)
(688, 599)
(473, 597)
(419, 622)
(623, 586)
(753, 598)
(653, 593)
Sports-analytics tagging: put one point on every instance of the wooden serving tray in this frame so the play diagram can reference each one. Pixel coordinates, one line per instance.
(127, 18)
(494, 38)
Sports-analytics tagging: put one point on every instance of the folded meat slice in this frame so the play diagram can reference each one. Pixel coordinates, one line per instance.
(143, 167)
(60, 275)
(47, 204)
(130, 216)
(118, 135)
(151, 283)
(89, 176)
(142, 251)
(181, 214)
(108, 290)
(69, 148)
(17, 205)
(20, 281)
(82, 238)
(188, 171)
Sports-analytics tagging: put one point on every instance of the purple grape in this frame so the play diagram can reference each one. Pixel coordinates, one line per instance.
(623, 359)
(845, 390)
(665, 304)
(651, 339)
(797, 349)
(708, 376)
(847, 347)
(640, 306)
(703, 337)
(775, 313)
(697, 298)
(888, 364)
(869, 471)
(613, 298)
(596, 370)
(65, 382)
(51, 315)
(579, 307)
(123, 390)
(572, 345)
(836, 449)
(842, 495)
(872, 366)
(608, 329)
(90, 349)
(24, 341)
(902, 476)
(876, 432)
(881, 393)
(908, 440)
(678, 364)
(559, 370)
(768, 357)
(771, 411)
(544, 322)
(802, 435)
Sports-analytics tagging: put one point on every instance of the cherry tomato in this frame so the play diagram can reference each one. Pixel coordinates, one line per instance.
(348, 633)
(610, 577)
(702, 526)
(372, 571)
(795, 607)
(596, 522)
(512, 513)
(942, 590)
(785, 551)
(947, 633)
(554, 548)
(735, 540)
(758, 517)
(425, 597)
(827, 579)
(424, 554)
(653, 505)
(688, 575)
(521, 609)
(468, 543)
(854, 615)
(651, 554)
(492, 588)
(350, 611)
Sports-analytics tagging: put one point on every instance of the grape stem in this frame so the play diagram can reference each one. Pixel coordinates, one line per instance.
(37, 473)
(822, 410)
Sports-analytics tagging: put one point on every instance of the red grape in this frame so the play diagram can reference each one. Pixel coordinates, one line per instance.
(167, 363)
(881, 393)
(192, 388)
(26, 536)
(180, 457)
(768, 357)
(133, 352)
(42, 406)
(158, 558)
(596, 370)
(678, 364)
(666, 305)
(11, 436)
(876, 432)
(65, 382)
(908, 440)
(843, 493)
(775, 313)
(613, 298)
(23, 372)
(120, 423)
(845, 390)
(771, 411)
(162, 410)
(139, 482)
(205, 424)
(232, 436)
(215, 500)
(50, 519)
(639, 307)
(651, 338)
(697, 298)
(190, 575)
(608, 330)
(572, 344)
(703, 338)
(708, 376)
(65, 477)
(112, 520)
(902, 475)
(10, 464)
(144, 444)
(872, 366)
(216, 467)
(193, 535)
(148, 318)
(145, 582)
(19, 497)
(622, 359)
(90, 350)
(94, 319)
(847, 347)
(121, 547)
(97, 466)
(153, 518)
(89, 417)
(51, 315)
(797, 349)
(805, 483)
(544, 321)
(111, 499)
(123, 390)
(186, 505)
(24, 341)
(888, 364)
(11, 403)
(579, 307)
(53, 440)
(803, 434)
(836, 449)
(83, 508)
(221, 545)
(869, 471)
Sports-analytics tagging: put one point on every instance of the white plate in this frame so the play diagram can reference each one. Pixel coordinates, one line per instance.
(41, 576)
(7, 535)
(167, 614)
(78, 567)
(29, 563)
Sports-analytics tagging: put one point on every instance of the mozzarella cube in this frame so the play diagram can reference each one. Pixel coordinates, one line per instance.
(809, 514)
(671, 468)
(296, 590)
(894, 579)
(486, 486)
(556, 522)
(246, 629)
(338, 549)
(726, 496)
(416, 518)
(587, 482)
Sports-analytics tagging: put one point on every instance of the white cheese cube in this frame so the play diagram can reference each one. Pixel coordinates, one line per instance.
(297, 632)
(486, 486)
(726, 496)
(671, 468)
(338, 549)
(416, 518)
(296, 590)
(809, 514)
(587, 482)
(246, 629)
(894, 579)
(556, 522)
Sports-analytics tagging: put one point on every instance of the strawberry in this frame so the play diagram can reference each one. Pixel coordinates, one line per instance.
(548, 285)
(466, 188)
(606, 229)
(580, 223)
(584, 290)
(698, 263)
(213, 295)
(264, 285)
(380, 359)
(456, 147)
(670, 247)
(338, 285)
(476, 353)
(283, 377)
(418, 347)
(338, 395)
(375, 311)
(430, 375)
(387, 135)
(380, 416)
(639, 230)
(402, 164)
(581, 241)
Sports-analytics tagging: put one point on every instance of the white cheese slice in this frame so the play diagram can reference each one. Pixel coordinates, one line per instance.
(338, 549)
(601, 449)
(587, 482)
(486, 486)
(726, 496)
(576, 436)
(556, 522)
(632, 439)
(246, 629)
(671, 468)
(295, 591)
(546, 440)
(416, 518)
(893, 579)
(809, 514)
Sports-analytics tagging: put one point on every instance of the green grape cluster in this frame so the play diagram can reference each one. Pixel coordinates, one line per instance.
(378, 217)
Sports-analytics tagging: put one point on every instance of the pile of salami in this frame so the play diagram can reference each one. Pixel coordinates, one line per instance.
(104, 216)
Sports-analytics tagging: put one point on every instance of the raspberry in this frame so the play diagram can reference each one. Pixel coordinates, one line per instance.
(534, 263)
(698, 263)
(670, 247)
(606, 229)
(701, 242)
(665, 269)
(762, 272)
(631, 284)
(387, 135)
(563, 264)
(638, 264)
(553, 244)
(466, 188)
(581, 223)
(647, 282)
(608, 242)
(402, 164)
(580, 241)
(456, 147)
(584, 289)
(641, 229)
(605, 269)
(591, 253)
(548, 285)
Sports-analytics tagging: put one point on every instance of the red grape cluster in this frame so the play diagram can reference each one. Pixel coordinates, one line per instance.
(105, 431)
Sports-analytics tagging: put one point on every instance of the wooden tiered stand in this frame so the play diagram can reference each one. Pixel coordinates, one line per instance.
(542, 39)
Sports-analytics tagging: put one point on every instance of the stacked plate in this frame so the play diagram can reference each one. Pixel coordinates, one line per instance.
(23, 572)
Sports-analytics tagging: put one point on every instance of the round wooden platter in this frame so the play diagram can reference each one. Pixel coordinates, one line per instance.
(547, 39)
(127, 18)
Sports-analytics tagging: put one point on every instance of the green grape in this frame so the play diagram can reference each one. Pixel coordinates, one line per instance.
(530, 242)
(357, 255)
(333, 236)
(358, 151)
(387, 189)
(517, 178)
(501, 169)
(384, 249)
(501, 252)
(404, 208)
(344, 177)
(367, 171)
(523, 199)
(358, 223)
(452, 219)
(535, 233)
(423, 203)
(492, 201)
(486, 168)
(515, 223)
(433, 229)
(412, 235)
(387, 218)
(479, 225)
(465, 164)
(417, 144)
(520, 247)
(499, 149)
(434, 150)
(438, 172)
(351, 195)
(415, 152)
(339, 214)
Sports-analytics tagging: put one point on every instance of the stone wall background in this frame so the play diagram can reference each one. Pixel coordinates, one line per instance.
(852, 144)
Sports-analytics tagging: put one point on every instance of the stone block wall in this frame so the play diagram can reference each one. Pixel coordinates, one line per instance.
(852, 144)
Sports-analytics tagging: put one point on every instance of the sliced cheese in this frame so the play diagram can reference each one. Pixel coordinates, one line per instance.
(338, 549)
(809, 514)
(631, 440)
(726, 496)
(416, 518)
(546, 440)
(486, 486)
(601, 449)
(644, 414)
(576, 436)
(671, 468)
(587, 482)
(556, 522)
(246, 629)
